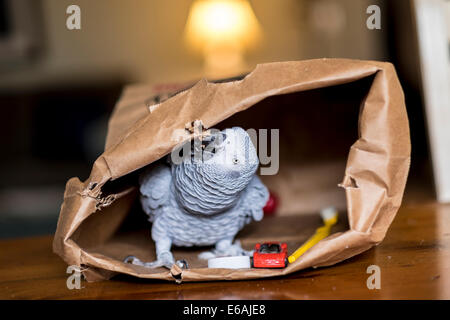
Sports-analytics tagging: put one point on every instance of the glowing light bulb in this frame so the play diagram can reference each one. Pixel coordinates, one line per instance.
(221, 30)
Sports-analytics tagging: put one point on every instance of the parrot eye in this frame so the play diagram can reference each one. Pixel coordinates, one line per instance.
(235, 160)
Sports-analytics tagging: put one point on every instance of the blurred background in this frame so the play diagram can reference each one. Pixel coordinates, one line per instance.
(58, 86)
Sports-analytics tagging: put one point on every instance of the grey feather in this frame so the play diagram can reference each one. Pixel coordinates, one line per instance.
(154, 189)
(254, 199)
(198, 203)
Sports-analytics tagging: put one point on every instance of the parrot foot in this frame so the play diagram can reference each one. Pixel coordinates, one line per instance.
(165, 259)
(225, 249)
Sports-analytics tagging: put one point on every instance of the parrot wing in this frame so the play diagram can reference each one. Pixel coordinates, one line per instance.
(155, 189)
(254, 199)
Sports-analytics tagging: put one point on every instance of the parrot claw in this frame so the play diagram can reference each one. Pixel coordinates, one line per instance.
(225, 251)
(183, 264)
(133, 260)
(206, 255)
(165, 259)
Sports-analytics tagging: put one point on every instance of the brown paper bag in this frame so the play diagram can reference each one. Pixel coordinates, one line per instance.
(91, 232)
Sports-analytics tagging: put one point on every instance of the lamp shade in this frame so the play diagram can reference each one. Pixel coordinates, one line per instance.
(213, 24)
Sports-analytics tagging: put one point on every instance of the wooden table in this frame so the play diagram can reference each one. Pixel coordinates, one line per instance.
(414, 260)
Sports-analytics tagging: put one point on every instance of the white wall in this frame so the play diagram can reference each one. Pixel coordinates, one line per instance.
(142, 40)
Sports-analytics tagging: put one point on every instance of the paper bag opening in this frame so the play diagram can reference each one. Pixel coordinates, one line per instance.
(97, 225)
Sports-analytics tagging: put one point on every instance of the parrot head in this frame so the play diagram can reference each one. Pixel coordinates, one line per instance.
(231, 155)
(214, 183)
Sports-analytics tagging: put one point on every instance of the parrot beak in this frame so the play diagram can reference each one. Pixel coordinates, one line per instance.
(218, 138)
(213, 141)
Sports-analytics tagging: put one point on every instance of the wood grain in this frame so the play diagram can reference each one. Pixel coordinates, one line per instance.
(414, 260)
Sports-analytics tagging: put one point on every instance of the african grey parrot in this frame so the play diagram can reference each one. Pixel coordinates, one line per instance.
(206, 202)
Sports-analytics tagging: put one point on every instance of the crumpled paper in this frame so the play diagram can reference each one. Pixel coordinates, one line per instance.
(141, 131)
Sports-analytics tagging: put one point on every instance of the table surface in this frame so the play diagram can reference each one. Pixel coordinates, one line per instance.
(414, 261)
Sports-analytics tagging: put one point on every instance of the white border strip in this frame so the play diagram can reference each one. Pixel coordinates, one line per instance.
(435, 70)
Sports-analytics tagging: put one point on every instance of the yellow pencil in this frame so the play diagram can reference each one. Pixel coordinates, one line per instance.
(329, 216)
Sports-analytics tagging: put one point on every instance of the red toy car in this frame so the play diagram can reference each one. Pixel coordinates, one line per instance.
(270, 255)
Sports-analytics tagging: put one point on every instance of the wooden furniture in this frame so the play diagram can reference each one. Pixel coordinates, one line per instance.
(414, 260)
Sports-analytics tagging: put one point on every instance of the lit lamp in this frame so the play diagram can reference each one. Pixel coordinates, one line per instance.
(222, 30)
